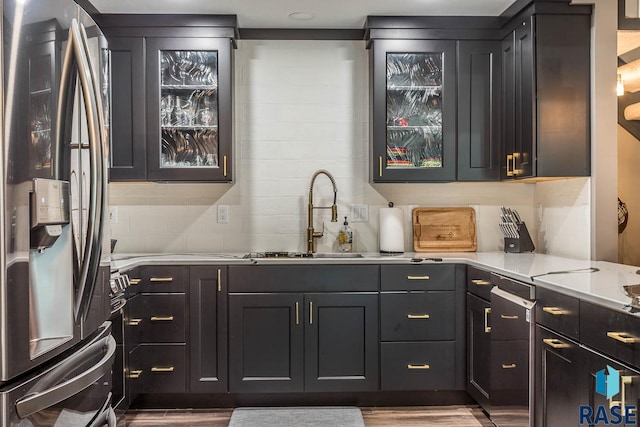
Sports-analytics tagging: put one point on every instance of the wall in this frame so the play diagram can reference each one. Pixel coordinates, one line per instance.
(563, 218)
(302, 106)
(628, 179)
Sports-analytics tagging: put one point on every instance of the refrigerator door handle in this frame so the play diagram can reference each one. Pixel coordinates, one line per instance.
(76, 60)
(41, 400)
(99, 168)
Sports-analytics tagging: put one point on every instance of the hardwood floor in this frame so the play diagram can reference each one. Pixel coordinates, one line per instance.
(411, 416)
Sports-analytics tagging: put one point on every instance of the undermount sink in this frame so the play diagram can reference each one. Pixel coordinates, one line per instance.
(290, 255)
(338, 255)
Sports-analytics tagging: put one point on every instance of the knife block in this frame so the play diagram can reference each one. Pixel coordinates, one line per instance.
(522, 243)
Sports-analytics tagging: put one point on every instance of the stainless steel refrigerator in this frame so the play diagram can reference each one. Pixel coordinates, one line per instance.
(56, 349)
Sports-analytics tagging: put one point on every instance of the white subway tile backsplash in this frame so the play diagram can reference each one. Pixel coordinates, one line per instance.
(301, 106)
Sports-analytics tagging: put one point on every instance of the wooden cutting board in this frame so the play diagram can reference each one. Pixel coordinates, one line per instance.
(444, 230)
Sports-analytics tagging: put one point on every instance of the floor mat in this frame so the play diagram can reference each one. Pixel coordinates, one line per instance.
(338, 416)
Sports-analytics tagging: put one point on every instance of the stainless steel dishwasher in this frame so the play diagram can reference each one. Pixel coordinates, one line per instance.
(512, 329)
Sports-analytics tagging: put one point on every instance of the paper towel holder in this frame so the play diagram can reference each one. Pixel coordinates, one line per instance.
(394, 252)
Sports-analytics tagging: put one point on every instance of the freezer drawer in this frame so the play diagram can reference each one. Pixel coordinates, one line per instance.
(75, 391)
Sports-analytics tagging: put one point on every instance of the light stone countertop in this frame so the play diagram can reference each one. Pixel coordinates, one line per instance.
(574, 277)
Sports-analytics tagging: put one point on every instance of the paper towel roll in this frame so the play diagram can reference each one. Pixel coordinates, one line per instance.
(391, 230)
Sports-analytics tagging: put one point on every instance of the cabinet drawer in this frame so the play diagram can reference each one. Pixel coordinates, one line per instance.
(558, 312)
(479, 282)
(509, 371)
(160, 317)
(509, 321)
(417, 316)
(304, 278)
(614, 333)
(514, 287)
(417, 277)
(160, 367)
(418, 366)
(160, 278)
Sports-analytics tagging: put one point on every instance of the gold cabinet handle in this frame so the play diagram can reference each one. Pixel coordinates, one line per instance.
(224, 165)
(622, 337)
(511, 366)
(162, 318)
(310, 312)
(418, 366)
(219, 280)
(509, 159)
(504, 316)
(417, 316)
(380, 166)
(487, 312)
(622, 403)
(135, 374)
(417, 277)
(297, 313)
(161, 279)
(134, 281)
(556, 311)
(162, 369)
(134, 322)
(480, 282)
(516, 171)
(555, 343)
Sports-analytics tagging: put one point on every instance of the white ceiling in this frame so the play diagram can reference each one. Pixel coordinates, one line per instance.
(327, 13)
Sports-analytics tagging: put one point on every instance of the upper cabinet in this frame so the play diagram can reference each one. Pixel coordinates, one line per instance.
(481, 98)
(546, 95)
(413, 124)
(172, 85)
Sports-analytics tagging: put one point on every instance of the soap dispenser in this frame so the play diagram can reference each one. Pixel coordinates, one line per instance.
(345, 237)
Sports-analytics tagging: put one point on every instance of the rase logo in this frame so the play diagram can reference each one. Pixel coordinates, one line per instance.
(608, 385)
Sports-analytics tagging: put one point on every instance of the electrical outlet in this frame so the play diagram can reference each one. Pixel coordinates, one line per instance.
(113, 214)
(359, 213)
(223, 214)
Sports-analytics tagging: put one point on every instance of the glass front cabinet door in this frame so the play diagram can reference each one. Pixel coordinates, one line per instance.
(413, 118)
(189, 110)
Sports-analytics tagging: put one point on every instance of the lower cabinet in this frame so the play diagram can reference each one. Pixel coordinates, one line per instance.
(294, 342)
(478, 349)
(567, 392)
(161, 368)
(208, 329)
(422, 328)
(561, 379)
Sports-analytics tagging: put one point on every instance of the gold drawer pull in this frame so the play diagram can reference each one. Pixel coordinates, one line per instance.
(511, 366)
(162, 369)
(417, 277)
(418, 367)
(480, 282)
(162, 318)
(417, 316)
(380, 166)
(135, 374)
(134, 322)
(224, 165)
(219, 279)
(487, 312)
(622, 337)
(555, 343)
(135, 281)
(509, 158)
(556, 311)
(504, 316)
(161, 279)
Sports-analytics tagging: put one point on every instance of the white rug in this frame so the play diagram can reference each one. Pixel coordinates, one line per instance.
(322, 416)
